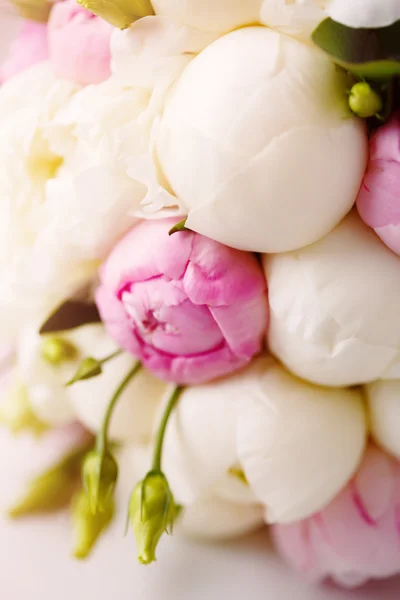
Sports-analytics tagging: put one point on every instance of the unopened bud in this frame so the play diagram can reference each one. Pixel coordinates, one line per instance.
(89, 368)
(365, 101)
(57, 350)
(100, 474)
(152, 512)
(88, 526)
(120, 13)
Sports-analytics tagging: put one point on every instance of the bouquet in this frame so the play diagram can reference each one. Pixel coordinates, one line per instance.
(200, 272)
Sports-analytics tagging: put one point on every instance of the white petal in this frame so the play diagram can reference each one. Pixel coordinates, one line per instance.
(298, 444)
(334, 315)
(364, 13)
(288, 115)
(384, 406)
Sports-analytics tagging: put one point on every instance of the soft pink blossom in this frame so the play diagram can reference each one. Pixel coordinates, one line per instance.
(189, 308)
(29, 47)
(356, 537)
(79, 44)
(379, 198)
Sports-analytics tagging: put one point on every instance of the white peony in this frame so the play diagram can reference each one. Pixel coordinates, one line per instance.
(334, 316)
(384, 409)
(298, 444)
(364, 13)
(258, 144)
(214, 16)
(210, 517)
(87, 401)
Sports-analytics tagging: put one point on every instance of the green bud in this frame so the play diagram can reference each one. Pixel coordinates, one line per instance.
(16, 413)
(120, 13)
(365, 101)
(100, 474)
(152, 512)
(89, 368)
(56, 350)
(88, 526)
(52, 490)
(239, 474)
(34, 10)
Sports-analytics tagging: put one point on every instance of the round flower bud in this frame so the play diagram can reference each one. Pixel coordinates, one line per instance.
(334, 308)
(364, 101)
(188, 308)
(268, 120)
(356, 537)
(214, 16)
(378, 201)
(384, 410)
(298, 444)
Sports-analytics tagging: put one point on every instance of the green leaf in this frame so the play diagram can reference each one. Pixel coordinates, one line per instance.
(368, 53)
(71, 314)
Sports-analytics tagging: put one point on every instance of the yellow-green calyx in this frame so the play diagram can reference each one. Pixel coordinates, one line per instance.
(152, 512)
(100, 474)
(52, 490)
(120, 13)
(57, 350)
(364, 101)
(89, 368)
(34, 10)
(16, 413)
(88, 526)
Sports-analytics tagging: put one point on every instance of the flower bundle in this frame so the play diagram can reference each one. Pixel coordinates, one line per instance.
(200, 272)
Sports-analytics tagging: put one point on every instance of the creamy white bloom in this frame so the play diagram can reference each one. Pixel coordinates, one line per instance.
(298, 444)
(296, 17)
(214, 16)
(134, 416)
(364, 13)
(258, 144)
(384, 409)
(210, 517)
(87, 401)
(334, 316)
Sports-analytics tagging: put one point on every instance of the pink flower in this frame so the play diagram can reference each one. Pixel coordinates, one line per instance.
(189, 308)
(29, 48)
(356, 537)
(79, 44)
(379, 197)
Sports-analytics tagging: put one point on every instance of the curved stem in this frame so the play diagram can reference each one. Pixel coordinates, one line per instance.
(156, 465)
(110, 357)
(101, 441)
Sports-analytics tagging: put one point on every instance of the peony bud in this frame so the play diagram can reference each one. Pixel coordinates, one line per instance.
(120, 13)
(100, 474)
(56, 350)
(152, 512)
(88, 526)
(364, 101)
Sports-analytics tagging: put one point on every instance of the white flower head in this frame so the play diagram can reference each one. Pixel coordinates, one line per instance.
(334, 316)
(298, 444)
(256, 139)
(384, 410)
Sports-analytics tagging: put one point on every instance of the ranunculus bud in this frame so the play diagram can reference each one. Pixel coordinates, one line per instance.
(152, 512)
(188, 308)
(364, 101)
(88, 526)
(79, 44)
(120, 13)
(298, 444)
(379, 200)
(99, 474)
(356, 537)
(267, 118)
(384, 414)
(213, 16)
(335, 318)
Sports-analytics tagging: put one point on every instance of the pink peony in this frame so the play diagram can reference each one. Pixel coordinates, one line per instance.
(79, 44)
(29, 47)
(379, 197)
(189, 308)
(356, 537)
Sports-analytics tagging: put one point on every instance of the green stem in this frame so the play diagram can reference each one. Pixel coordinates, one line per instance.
(103, 361)
(102, 436)
(156, 466)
